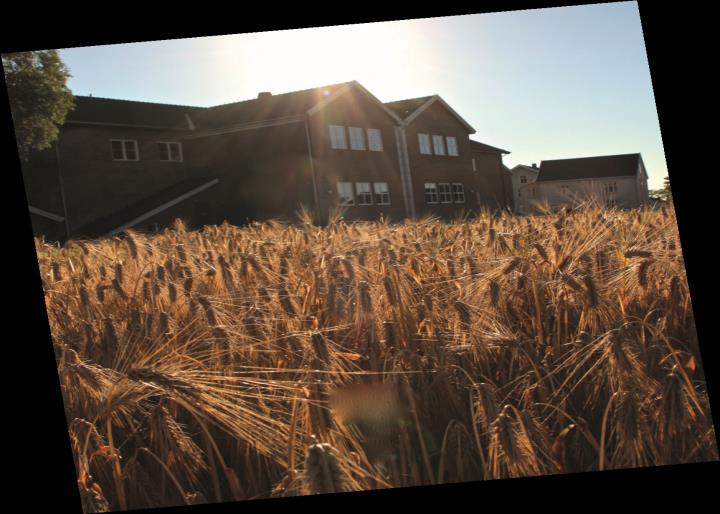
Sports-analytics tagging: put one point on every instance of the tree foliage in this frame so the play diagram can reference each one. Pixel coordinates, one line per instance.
(665, 193)
(39, 97)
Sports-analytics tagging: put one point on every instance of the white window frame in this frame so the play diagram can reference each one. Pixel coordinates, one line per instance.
(445, 192)
(361, 190)
(343, 188)
(338, 138)
(432, 191)
(382, 193)
(458, 192)
(374, 137)
(438, 143)
(452, 149)
(357, 138)
(424, 142)
(124, 149)
(168, 143)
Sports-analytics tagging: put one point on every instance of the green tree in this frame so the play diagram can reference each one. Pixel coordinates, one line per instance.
(665, 193)
(39, 97)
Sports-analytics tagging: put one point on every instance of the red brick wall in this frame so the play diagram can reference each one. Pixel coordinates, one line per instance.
(441, 168)
(355, 109)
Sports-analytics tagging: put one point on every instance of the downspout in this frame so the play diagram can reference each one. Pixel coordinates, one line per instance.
(405, 178)
(62, 189)
(312, 169)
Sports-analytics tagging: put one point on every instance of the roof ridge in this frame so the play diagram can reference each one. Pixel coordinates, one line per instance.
(339, 84)
(136, 101)
(590, 157)
(410, 99)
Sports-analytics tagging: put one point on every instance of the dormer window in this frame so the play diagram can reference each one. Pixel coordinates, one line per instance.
(124, 149)
(170, 152)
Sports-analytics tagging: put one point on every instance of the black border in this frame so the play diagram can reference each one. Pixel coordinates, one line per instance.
(42, 463)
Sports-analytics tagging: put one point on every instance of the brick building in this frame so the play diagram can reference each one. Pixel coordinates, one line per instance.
(120, 164)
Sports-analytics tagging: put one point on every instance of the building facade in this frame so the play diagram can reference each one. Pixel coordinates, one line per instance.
(521, 176)
(614, 181)
(119, 164)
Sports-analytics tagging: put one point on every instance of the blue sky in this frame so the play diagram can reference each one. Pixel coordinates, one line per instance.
(544, 83)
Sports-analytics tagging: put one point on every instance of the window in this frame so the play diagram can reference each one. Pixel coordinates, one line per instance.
(345, 190)
(337, 137)
(523, 179)
(564, 190)
(458, 192)
(424, 144)
(445, 193)
(374, 140)
(124, 150)
(170, 152)
(452, 147)
(364, 196)
(439, 145)
(611, 187)
(382, 194)
(474, 165)
(357, 138)
(431, 194)
(611, 202)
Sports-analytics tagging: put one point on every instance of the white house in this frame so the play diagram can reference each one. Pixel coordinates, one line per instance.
(618, 181)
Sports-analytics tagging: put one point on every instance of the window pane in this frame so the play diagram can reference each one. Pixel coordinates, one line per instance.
(431, 192)
(357, 138)
(458, 193)
(439, 145)
(175, 152)
(375, 140)
(163, 149)
(382, 195)
(363, 193)
(452, 146)
(337, 137)
(424, 140)
(346, 193)
(117, 150)
(130, 151)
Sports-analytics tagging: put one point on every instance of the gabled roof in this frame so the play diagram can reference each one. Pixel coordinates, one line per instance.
(523, 167)
(477, 146)
(414, 107)
(625, 165)
(285, 105)
(404, 108)
(90, 109)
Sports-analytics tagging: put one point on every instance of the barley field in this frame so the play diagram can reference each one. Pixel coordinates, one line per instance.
(235, 363)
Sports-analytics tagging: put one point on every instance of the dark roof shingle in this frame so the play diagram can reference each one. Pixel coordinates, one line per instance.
(477, 146)
(262, 109)
(589, 167)
(91, 109)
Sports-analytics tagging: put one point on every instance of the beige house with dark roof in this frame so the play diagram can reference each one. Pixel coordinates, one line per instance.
(617, 181)
(521, 176)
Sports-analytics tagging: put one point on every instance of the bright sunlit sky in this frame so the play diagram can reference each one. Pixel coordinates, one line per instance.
(544, 83)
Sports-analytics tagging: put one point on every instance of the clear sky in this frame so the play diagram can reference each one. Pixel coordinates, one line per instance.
(544, 83)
